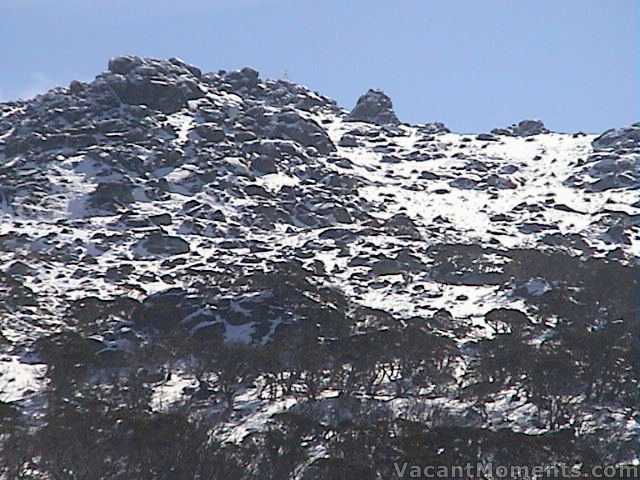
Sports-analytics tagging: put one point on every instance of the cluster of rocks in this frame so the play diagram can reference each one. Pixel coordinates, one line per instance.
(524, 128)
(614, 164)
(120, 123)
(164, 86)
(619, 139)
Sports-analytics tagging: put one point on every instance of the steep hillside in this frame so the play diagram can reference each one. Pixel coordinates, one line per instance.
(258, 261)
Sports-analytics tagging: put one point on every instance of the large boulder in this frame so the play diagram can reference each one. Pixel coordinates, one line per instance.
(615, 163)
(110, 195)
(618, 138)
(264, 165)
(158, 243)
(524, 128)
(527, 128)
(165, 95)
(123, 65)
(306, 132)
(246, 78)
(161, 85)
(166, 310)
(211, 132)
(402, 225)
(374, 107)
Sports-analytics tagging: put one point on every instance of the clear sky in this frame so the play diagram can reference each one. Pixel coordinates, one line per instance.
(472, 64)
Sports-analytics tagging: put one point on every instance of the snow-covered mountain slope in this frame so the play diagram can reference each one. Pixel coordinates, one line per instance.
(221, 206)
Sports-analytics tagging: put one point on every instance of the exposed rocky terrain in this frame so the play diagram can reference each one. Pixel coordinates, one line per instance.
(172, 226)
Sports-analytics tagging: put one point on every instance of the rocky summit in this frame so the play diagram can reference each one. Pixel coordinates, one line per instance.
(224, 256)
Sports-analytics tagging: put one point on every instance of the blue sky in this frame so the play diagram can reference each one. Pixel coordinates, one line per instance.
(471, 64)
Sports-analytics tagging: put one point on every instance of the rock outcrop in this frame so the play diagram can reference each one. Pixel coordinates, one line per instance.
(374, 107)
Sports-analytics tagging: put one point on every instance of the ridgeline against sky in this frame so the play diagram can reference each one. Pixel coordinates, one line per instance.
(471, 65)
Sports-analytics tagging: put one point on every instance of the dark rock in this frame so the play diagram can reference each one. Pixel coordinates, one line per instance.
(401, 224)
(610, 182)
(166, 310)
(374, 107)
(306, 132)
(161, 219)
(618, 234)
(430, 129)
(158, 243)
(619, 138)
(75, 141)
(161, 85)
(525, 128)
(18, 269)
(487, 137)
(341, 234)
(349, 141)
(109, 195)
(257, 191)
(245, 78)
(264, 164)
(534, 227)
(210, 132)
(160, 94)
(76, 87)
(123, 65)
(341, 214)
(244, 136)
(500, 182)
(195, 71)
(464, 183)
